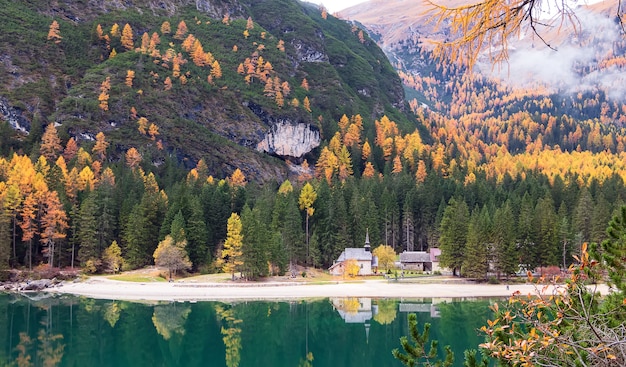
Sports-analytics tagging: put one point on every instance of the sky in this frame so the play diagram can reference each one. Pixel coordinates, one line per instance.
(336, 5)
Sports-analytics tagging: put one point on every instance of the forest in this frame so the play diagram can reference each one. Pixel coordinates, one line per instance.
(489, 177)
(66, 206)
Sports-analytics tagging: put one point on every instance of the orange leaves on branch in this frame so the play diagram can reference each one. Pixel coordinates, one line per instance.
(420, 174)
(181, 30)
(127, 37)
(367, 151)
(105, 87)
(397, 165)
(369, 170)
(50, 143)
(326, 164)
(306, 104)
(166, 28)
(305, 84)
(130, 75)
(386, 130)
(101, 146)
(216, 70)
(153, 131)
(133, 158)
(281, 46)
(54, 34)
(167, 84)
(86, 179)
(142, 125)
(305, 172)
(237, 179)
(249, 24)
(115, 30)
(99, 32)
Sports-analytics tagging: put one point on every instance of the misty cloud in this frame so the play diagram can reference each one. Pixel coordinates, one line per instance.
(532, 63)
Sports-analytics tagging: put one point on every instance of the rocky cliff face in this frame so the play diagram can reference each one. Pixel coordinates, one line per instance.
(290, 140)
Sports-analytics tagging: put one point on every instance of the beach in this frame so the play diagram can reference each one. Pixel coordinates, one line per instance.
(103, 288)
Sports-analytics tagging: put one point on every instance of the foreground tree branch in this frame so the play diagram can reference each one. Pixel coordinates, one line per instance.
(487, 26)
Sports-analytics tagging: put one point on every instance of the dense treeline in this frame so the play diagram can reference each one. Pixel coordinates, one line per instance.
(68, 212)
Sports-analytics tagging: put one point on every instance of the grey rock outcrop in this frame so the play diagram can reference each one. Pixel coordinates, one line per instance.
(290, 140)
(14, 116)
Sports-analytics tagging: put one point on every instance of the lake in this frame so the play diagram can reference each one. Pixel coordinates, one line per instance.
(73, 331)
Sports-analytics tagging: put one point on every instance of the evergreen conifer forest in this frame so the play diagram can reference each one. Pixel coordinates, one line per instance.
(128, 130)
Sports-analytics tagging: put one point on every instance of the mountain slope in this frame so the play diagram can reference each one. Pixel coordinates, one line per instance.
(223, 118)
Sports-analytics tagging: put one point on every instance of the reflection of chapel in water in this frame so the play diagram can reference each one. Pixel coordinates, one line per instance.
(361, 310)
(356, 311)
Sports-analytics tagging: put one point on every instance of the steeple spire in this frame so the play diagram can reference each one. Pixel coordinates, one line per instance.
(367, 240)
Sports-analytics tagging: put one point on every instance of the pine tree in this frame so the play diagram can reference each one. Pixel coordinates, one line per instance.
(287, 222)
(476, 258)
(256, 245)
(526, 233)
(197, 235)
(505, 253)
(453, 234)
(547, 248)
(583, 215)
(88, 231)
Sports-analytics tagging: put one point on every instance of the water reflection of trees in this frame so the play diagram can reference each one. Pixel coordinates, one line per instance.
(170, 319)
(231, 334)
(112, 313)
(387, 311)
(48, 348)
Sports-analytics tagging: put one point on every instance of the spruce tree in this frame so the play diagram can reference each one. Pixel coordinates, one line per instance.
(197, 235)
(453, 236)
(87, 230)
(547, 247)
(526, 234)
(505, 254)
(256, 242)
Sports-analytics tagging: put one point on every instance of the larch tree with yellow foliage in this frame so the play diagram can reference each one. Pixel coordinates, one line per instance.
(100, 148)
(216, 70)
(54, 34)
(50, 143)
(232, 254)
(306, 200)
(127, 37)
(181, 30)
(105, 87)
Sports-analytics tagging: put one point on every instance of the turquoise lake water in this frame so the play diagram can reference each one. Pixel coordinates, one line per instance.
(83, 332)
